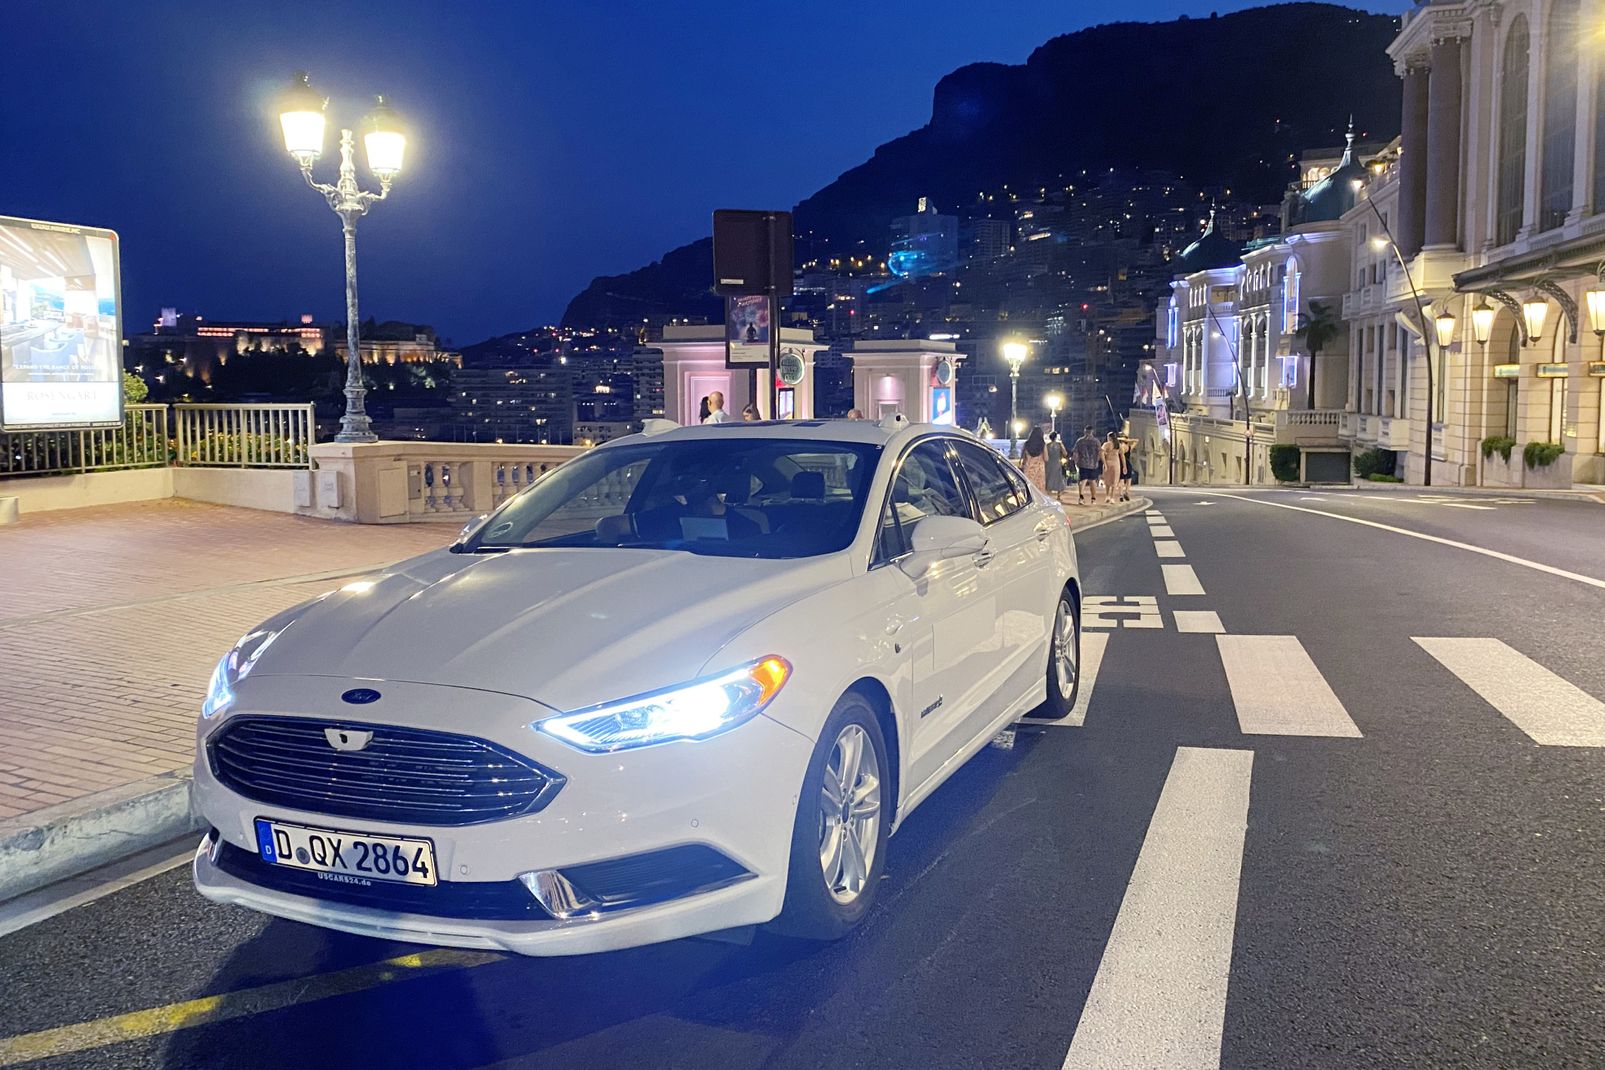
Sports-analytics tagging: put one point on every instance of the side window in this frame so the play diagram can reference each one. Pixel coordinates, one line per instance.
(925, 486)
(995, 491)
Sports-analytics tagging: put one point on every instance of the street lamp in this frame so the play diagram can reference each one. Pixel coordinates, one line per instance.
(1054, 403)
(1015, 353)
(301, 118)
(1596, 311)
(1482, 322)
(1445, 326)
(1385, 240)
(1534, 311)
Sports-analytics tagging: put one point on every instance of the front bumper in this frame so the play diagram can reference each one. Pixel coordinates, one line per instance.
(735, 794)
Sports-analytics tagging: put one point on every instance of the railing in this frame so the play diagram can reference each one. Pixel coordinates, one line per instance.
(244, 436)
(140, 442)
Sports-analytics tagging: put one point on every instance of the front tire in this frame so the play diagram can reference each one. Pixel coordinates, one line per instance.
(1064, 658)
(838, 842)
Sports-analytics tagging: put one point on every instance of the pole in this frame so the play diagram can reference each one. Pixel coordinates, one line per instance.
(1014, 404)
(773, 391)
(1426, 336)
(354, 425)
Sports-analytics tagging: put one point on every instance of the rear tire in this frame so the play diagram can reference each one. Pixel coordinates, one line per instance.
(838, 840)
(1064, 658)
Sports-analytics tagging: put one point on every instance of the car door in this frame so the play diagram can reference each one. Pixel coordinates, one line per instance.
(1017, 534)
(944, 616)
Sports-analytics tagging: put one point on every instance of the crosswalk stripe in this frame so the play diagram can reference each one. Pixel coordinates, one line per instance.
(1161, 531)
(1277, 689)
(1198, 620)
(1093, 644)
(1159, 996)
(1552, 711)
(1181, 579)
(1168, 548)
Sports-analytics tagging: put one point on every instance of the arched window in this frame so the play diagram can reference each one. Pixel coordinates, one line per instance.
(1290, 298)
(1512, 133)
(1560, 115)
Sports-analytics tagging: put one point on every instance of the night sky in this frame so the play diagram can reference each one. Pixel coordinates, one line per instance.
(552, 142)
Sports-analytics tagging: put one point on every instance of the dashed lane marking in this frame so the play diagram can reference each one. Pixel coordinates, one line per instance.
(1092, 651)
(1168, 548)
(1553, 711)
(1181, 579)
(1159, 996)
(1537, 566)
(159, 1021)
(1161, 531)
(1277, 689)
(1198, 621)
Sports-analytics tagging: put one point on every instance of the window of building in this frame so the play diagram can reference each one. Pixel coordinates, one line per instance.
(1290, 298)
(1599, 150)
(1557, 408)
(1172, 323)
(1559, 138)
(1512, 397)
(1512, 174)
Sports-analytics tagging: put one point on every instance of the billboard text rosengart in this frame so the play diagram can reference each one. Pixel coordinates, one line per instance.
(60, 326)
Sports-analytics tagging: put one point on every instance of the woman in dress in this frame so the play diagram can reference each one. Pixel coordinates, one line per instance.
(1125, 470)
(1109, 454)
(1035, 455)
(1056, 455)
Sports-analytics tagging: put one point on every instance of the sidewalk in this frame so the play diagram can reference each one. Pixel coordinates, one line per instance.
(1086, 516)
(111, 620)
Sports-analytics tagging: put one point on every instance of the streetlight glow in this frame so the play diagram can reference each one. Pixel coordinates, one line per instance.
(1445, 326)
(1534, 311)
(1482, 322)
(1596, 311)
(301, 119)
(385, 141)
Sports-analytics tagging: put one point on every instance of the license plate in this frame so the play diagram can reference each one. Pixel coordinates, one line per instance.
(354, 855)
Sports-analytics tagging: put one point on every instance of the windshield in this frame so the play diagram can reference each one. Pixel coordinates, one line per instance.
(731, 496)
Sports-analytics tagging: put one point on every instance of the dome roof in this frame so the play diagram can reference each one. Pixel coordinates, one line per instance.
(1329, 198)
(1212, 250)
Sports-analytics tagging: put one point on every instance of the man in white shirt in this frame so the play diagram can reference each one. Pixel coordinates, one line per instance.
(716, 413)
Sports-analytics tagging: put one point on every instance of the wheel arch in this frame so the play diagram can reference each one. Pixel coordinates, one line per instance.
(880, 700)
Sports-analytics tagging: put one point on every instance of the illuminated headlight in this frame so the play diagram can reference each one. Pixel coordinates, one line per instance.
(235, 666)
(694, 710)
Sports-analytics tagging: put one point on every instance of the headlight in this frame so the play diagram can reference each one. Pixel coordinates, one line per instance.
(694, 710)
(235, 666)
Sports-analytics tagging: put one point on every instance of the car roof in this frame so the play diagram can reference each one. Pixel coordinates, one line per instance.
(868, 432)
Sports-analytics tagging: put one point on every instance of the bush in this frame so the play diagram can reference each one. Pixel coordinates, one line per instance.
(1367, 463)
(1541, 454)
(134, 389)
(1500, 444)
(1284, 462)
(1379, 477)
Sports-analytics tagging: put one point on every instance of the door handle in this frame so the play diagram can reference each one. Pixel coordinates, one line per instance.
(983, 558)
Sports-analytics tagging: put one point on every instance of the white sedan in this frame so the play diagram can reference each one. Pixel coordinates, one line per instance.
(689, 681)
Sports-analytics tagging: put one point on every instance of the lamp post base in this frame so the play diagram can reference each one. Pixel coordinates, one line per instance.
(356, 436)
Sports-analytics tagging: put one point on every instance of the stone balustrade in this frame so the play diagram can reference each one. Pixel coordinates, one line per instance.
(404, 482)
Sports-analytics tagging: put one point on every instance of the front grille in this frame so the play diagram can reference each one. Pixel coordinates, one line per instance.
(404, 775)
(475, 900)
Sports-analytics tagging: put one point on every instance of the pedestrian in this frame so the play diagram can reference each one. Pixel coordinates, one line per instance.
(1034, 452)
(703, 410)
(716, 413)
(749, 414)
(1109, 455)
(1055, 455)
(1125, 469)
(855, 414)
(1085, 455)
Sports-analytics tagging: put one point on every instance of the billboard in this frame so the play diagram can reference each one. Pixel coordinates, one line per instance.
(746, 326)
(60, 326)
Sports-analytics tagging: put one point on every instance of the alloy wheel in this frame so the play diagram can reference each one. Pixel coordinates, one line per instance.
(849, 814)
(1064, 648)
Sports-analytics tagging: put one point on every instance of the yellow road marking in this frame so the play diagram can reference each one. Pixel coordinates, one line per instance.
(158, 1021)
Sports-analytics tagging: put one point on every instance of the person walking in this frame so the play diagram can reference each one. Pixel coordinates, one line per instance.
(1055, 454)
(1125, 469)
(1085, 455)
(1109, 455)
(1034, 455)
(716, 413)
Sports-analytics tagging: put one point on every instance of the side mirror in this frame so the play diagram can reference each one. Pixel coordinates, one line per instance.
(945, 537)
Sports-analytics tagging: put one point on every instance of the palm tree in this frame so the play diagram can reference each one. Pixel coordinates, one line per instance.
(1317, 331)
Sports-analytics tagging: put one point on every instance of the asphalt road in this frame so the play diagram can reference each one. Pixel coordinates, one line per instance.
(1426, 890)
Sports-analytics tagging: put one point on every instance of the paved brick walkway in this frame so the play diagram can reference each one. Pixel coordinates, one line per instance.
(112, 618)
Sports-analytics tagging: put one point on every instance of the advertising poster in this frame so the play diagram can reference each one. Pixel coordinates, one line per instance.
(942, 405)
(60, 326)
(746, 331)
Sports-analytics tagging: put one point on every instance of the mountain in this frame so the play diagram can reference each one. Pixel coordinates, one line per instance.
(1228, 100)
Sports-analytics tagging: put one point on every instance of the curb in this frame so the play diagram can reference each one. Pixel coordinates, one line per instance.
(1136, 505)
(71, 838)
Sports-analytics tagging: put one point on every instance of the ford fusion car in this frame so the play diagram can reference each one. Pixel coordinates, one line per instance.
(690, 681)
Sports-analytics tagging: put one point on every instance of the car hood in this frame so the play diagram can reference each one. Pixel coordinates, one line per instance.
(568, 628)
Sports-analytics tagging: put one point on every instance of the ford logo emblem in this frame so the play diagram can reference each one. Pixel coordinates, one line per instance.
(361, 696)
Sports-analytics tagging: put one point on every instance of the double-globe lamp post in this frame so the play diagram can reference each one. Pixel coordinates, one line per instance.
(301, 117)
